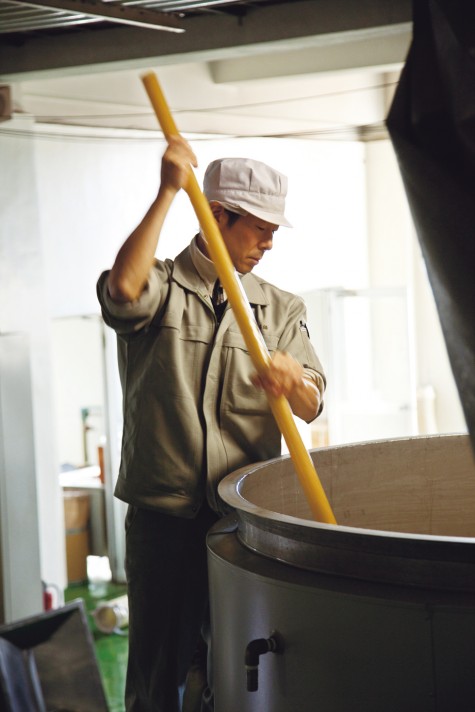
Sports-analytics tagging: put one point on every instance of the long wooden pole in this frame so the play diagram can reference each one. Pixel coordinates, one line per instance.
(258, 351)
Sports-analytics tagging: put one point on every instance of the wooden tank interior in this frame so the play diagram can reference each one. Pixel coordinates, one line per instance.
(421, 485)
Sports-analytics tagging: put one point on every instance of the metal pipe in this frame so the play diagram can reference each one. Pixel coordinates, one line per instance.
(254, 650)
(258, 351)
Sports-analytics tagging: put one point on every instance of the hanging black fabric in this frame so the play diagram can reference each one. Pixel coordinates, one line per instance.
(432, 127)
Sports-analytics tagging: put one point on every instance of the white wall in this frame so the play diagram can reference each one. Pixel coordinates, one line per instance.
(23, 310)
(395, 260)
(93, 192)
(78, 366)
(435, 378)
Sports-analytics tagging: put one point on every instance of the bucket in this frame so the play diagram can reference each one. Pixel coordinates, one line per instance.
(113, 615)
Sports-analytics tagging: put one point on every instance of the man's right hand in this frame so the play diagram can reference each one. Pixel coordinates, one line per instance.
(131, 268)
(176, 162)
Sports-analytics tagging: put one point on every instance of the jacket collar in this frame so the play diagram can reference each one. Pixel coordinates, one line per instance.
(184, 272)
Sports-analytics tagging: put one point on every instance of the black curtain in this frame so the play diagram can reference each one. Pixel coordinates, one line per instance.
(432, 127)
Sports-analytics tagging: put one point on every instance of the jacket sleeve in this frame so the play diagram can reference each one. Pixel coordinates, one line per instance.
(130, 317)
(295, 339)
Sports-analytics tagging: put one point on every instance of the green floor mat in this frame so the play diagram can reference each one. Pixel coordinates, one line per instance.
(111, 649)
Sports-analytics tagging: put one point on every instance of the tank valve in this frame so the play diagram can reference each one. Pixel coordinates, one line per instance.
(258, 647)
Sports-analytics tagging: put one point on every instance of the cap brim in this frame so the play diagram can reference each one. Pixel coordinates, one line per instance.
(270, 217)
(243, 207)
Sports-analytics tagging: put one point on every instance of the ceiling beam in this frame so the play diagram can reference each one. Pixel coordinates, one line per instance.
(359, 49)
(209, 37)
(114, 12)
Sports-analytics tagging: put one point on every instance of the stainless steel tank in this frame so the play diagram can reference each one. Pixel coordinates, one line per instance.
(376, 614)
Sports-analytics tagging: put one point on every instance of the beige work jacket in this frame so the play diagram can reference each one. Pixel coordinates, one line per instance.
(191, 413)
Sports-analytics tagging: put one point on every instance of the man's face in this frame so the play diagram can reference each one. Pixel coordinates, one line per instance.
(247, 239)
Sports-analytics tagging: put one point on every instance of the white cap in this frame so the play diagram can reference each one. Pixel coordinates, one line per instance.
(242, 184)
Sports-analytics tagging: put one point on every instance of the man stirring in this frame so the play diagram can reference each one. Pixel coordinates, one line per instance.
(194, 408)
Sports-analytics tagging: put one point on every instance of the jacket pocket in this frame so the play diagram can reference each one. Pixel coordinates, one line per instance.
(240, 395)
